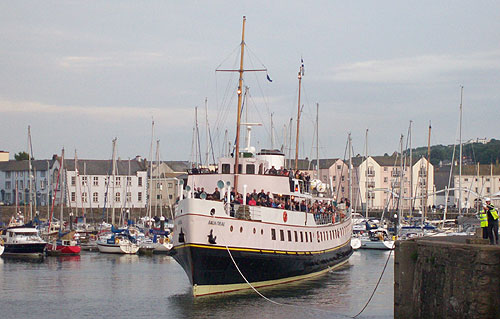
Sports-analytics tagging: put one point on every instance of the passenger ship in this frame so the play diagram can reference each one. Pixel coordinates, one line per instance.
(226, 247)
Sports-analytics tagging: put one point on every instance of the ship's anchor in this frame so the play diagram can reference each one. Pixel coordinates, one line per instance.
(211, 238)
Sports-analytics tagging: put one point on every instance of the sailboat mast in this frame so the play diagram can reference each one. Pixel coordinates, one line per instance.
(290, 145)
(350, 174)
(366, 172)
(150, 197)
(158, 179)
(238, 119)
(272, 132)
(299, 76)
(29, 174)
(427, 174)
(207, 153)
(317, 140)
(411, 172)
(63, 190)
(400, 199)
(113, 195)
(460, 160)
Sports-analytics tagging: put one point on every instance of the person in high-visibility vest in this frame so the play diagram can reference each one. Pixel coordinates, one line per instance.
(492, 221)
(483, 219)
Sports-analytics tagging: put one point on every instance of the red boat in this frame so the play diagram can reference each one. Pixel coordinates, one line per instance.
(63, 248)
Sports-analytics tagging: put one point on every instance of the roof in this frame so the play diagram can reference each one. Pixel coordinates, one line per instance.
(104, 167)
(441, 177)
(484, 169)
(178, 166)
(18, 166)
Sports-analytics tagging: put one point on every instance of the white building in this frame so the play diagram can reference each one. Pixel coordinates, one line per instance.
(477, 181)
(92, 184)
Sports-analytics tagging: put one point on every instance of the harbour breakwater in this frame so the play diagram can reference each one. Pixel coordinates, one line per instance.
(446, 277)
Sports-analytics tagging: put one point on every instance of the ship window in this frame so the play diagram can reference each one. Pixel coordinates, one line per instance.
(262, 231)
(296, 236)
(289, 235)
(240, 168)
(273, 234)
(317, 235)
(307, 238)
(241, 229)
(231, 228)
(310, 237)
(226, 168)
(250, 169)
(254, 231)
(282, 235)
(301, 237)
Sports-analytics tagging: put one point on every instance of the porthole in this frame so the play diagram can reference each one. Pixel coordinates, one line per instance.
(254, 231)
(262, 231)
(212, 211)
(231, 228)
(241, 229)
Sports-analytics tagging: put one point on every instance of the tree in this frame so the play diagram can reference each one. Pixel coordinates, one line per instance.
(22, 156)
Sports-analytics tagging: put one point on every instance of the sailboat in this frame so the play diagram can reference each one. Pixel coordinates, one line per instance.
(64, 244)
(225, 245)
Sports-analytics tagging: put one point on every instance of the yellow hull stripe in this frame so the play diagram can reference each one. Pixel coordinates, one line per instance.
(203, 290)
(264, 251)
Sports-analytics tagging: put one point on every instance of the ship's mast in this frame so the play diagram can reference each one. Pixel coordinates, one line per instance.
(427, 174)
(238, 119)
(317, 140)
(299, 76)
(460, 160)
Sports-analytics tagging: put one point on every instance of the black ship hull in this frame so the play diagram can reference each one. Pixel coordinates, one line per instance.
(211, 269)
(32, 249)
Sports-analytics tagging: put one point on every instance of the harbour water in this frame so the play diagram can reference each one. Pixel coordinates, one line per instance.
(96, 285)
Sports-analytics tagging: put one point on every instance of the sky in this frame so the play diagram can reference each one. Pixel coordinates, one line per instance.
(81, 73)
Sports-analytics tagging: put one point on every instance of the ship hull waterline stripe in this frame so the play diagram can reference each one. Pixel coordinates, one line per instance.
(264, 250)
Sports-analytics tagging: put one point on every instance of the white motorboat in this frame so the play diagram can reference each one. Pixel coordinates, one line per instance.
(23, 241)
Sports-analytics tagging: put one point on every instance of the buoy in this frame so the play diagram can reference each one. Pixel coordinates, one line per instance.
(285, 217)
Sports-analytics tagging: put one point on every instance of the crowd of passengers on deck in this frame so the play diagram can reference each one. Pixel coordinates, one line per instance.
(324, 211)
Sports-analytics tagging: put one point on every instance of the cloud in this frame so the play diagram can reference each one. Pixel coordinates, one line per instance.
(416, 69)
(176, 116)
(126, 59)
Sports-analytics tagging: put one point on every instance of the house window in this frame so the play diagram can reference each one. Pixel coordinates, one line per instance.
(42, 173)
(334, 178)
(21, 174)
(129, 181)
(385, 169)
(96, 181)
(84, 180)
(487, 190)
(273, 234)
(226, 168)
(21, 184)
(7, 174)
(342, 189)
(117, 197)
(282, 235)
(139, 196)
(139, 181)
(95, 197)
(343, 177)
(158, 185)
(7, 185)
(129, 197)
(338, 167)
(487, 179)
(466, 179)
(43, 182)
(385, 180)
(84, 197)
(170, 185)
(118, 181)
(73, 196)
(73, 180)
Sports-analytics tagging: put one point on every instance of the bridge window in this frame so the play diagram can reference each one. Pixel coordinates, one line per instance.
(226, 168)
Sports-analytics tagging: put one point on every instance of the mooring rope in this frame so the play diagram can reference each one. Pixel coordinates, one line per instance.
(296, 306)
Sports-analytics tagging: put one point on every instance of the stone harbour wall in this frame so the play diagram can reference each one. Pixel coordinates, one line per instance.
(446, 277)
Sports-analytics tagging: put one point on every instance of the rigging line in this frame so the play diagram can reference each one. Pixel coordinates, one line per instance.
(268, 299)
(229, 55)
(378, 282)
